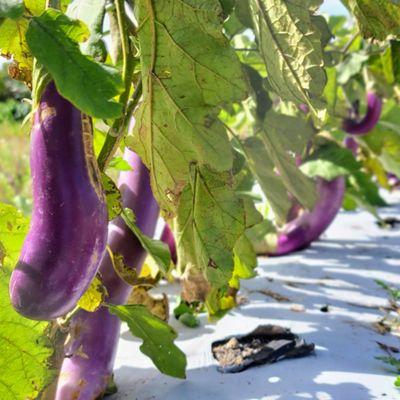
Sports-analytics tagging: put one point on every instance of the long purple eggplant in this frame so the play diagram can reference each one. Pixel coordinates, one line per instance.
(300, 232)
(68, 232)
(88, 366)
(371, 118)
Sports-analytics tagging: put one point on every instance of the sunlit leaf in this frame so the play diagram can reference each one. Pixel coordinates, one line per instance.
(158, 338)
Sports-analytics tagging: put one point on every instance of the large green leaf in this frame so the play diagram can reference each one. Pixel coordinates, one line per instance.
(53, 39)
(177, 123)
(158, 338)
(189, 72)
(23, 349)
(291, 46)
(377, 18)
(210, 220)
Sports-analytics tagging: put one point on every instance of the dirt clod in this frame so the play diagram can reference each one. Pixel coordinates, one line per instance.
(265, 345)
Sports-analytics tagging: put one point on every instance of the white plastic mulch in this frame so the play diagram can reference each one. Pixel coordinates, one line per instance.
(338, 271)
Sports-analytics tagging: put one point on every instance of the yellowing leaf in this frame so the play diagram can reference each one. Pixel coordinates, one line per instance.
(113, 197)
(13, 43)
(13, 228)
(94, 297)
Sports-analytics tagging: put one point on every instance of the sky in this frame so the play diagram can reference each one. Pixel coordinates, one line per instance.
(333, 7)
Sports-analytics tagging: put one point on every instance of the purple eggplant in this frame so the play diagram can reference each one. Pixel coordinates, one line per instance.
(68, 232)
(371, 118)
(90, 353)
(300, 232)
(168, 238)
(351, 144)
(393, 180)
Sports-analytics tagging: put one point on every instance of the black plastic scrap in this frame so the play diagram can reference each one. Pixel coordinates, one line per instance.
(265, 345)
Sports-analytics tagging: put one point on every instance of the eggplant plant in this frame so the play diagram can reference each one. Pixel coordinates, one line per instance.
(203, 109)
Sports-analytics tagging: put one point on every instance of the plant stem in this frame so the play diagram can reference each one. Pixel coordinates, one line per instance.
(127, 67)
(346, 48)
(117, 130)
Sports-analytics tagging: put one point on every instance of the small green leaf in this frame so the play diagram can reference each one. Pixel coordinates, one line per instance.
(350, 67)
(365, 190)
(391, 62)
(119, 164)
(393, 291)
(270, 183)
(158, 338)
(113, 197)
(189, 320)
(295, 181)
(330, 161)
(182, 308)
(94, 297)
(156, 249)
(245, 262)
(90, 86)
(12, 9)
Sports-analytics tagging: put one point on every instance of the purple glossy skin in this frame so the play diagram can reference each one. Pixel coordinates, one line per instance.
(97, 334)
(351, 144)
(303, 230)
(68, 232)
(168, 238)
(371, 118)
